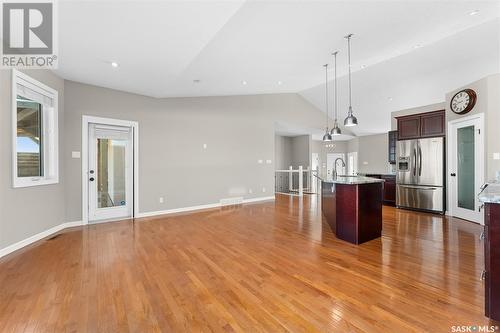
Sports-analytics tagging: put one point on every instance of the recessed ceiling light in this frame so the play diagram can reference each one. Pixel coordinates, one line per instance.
(474, 12)
(196, 81)
(243, 82)
(280, 83)
(389, 98)
(363, 66)
(114, 64)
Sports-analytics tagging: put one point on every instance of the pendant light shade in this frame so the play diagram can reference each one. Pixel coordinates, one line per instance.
(327, 137)
(351, 120)
(336, 129)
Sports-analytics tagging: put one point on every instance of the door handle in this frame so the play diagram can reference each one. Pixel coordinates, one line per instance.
(91, 179)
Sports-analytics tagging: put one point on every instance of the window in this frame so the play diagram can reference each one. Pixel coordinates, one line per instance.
(35, 143)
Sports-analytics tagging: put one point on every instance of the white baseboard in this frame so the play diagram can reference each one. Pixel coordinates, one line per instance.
(193, 208)
(25, 242)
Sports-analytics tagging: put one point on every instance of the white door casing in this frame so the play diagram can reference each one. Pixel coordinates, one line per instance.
(132, 200)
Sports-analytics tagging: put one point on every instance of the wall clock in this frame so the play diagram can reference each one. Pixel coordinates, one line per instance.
(463, 101)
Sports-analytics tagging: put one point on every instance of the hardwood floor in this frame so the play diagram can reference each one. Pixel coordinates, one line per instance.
(273, 266)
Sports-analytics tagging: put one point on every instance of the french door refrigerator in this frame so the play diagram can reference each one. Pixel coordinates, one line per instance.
(420, 174)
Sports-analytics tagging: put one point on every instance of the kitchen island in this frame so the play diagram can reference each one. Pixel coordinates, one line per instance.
(352, 206)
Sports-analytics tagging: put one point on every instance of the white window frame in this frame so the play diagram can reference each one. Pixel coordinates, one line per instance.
(50, 116)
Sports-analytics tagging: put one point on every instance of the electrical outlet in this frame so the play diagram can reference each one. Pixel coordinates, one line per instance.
(75, 154)
(263, 189)
(269, 161)
(205, 146)
(161, 200)
(260, 161)
(496, 156)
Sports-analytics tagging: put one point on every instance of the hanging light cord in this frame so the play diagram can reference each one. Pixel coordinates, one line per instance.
(349, 58)
(326, 85)
(335, 85)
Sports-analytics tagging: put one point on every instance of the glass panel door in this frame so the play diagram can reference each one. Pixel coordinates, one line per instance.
(110, 172)
(465, 168)
(111, 183)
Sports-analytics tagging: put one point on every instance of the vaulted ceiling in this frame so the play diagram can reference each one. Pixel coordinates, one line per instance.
(405, 53)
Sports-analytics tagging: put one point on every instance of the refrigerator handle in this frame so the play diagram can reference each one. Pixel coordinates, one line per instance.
(419, 161)
(414, 162)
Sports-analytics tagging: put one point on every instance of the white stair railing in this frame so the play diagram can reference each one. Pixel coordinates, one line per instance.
(296, 181)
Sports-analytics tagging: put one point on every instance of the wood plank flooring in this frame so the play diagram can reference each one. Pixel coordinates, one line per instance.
(272, 267)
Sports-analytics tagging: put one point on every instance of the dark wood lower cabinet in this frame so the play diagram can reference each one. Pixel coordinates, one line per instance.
(492, 260)
(389, 190)
(389, 194)
(353, 211)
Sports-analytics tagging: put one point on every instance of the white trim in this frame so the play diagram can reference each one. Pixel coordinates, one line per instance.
(50, 149)
(481, 151)
(86, 120)
(30, 240)
(194, 208)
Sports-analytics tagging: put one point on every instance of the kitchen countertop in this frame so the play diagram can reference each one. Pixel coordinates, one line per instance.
(353, 180)
(491, 194)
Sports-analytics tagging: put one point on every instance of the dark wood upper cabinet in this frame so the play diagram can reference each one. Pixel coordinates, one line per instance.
(424, 125)
(393, 136)
(408, 127)
(432, 124)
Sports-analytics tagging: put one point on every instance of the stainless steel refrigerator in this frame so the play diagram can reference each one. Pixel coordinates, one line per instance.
(420, 174)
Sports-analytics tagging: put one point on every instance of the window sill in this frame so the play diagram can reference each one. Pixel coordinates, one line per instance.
(20, 183)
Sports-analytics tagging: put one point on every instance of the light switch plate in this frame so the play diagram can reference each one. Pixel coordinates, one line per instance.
(75, 154)
(260, 161)
(269, 161)
(496, 156)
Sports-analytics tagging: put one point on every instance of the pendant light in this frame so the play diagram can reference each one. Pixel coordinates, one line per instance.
(327, 137)
(351, 120)
(336, 129)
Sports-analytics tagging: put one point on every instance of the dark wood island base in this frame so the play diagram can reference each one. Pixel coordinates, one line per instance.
(353, 208)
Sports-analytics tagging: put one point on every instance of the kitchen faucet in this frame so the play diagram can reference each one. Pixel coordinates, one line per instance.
(335, 166)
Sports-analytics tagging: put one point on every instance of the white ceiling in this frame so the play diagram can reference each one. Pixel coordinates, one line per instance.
(162, 46)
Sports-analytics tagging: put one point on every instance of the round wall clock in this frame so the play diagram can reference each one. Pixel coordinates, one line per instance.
(463, 101)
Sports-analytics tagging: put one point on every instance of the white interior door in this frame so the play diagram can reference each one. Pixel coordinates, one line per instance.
(110, 173)
(352, 163)
(466, 170)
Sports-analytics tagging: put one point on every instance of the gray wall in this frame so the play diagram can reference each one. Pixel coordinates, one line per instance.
(239, 130)
(282, 152)
(301, 151)
(373, 153)
(488, 102)
(28, 211)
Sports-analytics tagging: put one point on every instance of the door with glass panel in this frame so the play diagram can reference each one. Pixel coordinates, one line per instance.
(467, 164)
(110, 173)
